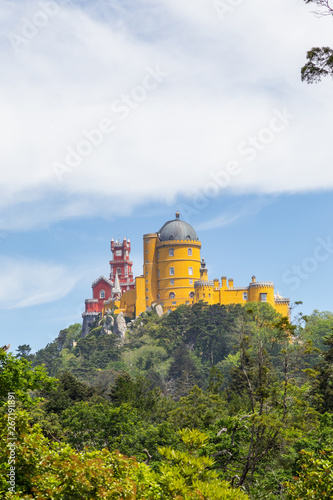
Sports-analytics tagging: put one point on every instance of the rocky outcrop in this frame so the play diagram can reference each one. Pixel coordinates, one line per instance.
(108, 324)
(159, 310)
(120, 326)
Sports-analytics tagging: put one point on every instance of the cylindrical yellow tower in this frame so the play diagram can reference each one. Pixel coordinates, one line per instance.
(150, 267)
(204, 289)
(261, 291)
(178, 263)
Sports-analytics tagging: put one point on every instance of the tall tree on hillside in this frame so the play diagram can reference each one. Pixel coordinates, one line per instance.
(323, 385)
(272, 405)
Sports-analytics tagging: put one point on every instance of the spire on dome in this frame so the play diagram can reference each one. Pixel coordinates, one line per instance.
(177, 215)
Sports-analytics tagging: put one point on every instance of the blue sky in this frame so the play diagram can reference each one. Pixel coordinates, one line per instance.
(115, 114)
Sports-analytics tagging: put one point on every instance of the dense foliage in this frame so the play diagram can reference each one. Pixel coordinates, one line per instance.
(214, 402)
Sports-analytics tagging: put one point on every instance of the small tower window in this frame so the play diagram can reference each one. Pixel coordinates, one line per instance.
(189, 252)
(191, 282)
(190, 271)
(158, 273)
(171, 252)
(172, 295)
(158, 254)
(172, 271)
(245, 296)
(158, 296)
(191, 295)
(102, 294)
(263, 297)
(172, 282)
(118, 270)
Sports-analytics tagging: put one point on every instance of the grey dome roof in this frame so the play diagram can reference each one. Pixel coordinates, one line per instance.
(177, 230)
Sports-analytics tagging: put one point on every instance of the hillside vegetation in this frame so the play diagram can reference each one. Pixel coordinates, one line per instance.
(213, 402)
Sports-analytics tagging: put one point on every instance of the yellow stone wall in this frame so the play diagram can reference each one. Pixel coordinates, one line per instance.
(232, 296)
(140, 304)
(206, 294)
(282, 307)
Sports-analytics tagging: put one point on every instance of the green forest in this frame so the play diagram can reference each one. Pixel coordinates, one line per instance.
(207, 402)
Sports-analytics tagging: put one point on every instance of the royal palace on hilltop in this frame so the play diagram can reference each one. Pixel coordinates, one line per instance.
(173, 274)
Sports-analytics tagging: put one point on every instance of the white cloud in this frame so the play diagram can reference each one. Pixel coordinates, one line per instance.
(236, 211)
(25, 283)
(225, 78)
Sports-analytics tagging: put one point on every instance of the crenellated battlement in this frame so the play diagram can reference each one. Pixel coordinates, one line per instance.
(204, 284)
(262, 284)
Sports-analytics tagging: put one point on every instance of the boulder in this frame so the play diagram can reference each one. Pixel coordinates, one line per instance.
(108, 324)
(159, 310)
(120, 326)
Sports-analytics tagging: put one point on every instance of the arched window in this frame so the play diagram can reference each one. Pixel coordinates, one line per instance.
(172, 271)
(102, 294)
(171, 252)
(158, 296)
(118, 270)
(172, 295)
(189, 252)
(190, 271)
(191, 295)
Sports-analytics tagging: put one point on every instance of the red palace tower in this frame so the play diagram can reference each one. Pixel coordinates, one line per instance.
(103, 289)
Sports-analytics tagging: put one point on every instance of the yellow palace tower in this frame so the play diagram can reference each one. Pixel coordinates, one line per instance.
(171, 264)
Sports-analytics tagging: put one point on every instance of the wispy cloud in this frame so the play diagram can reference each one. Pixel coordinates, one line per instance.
(25, 283)
(237, 211)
